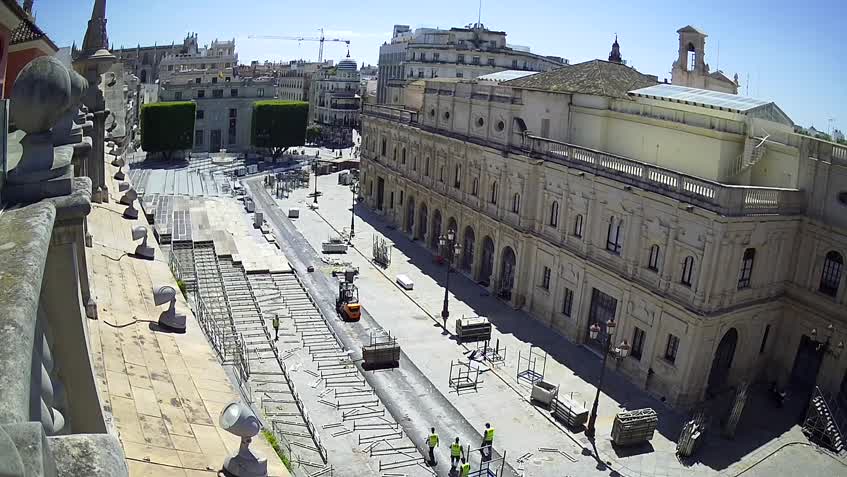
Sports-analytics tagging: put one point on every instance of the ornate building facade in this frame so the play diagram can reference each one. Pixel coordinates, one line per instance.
(334, 102)
(711, 233)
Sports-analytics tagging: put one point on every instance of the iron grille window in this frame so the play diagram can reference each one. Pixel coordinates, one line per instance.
(545, 278)
(687, 270)
(672, 348)
(613, 237)
(746, 268)
(831, 275)
(567, 302)
(653, 261)
(637, 343)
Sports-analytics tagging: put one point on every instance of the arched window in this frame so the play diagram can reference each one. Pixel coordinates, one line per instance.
(475, 187)
(746, 268)
(577, 226)
(554, 214)
(614, 236)
(441, 173)
(653, 260)
(687, 270)
(493, 198)
(516, 203)
(831, 275)
(457, 178)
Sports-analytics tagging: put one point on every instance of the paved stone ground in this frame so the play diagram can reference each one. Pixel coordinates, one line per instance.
(501, 398)
(164, 392)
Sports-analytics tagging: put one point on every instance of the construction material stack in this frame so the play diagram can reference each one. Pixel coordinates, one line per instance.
(473, 329)
(382, 352)
(569, 411)
(634, 427)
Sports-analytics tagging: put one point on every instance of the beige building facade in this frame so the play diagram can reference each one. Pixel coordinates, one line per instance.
(714, 236)
(334, 102)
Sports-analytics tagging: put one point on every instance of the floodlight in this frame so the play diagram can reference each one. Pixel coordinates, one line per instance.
(143, 250)
(169, 319)
(238, 419)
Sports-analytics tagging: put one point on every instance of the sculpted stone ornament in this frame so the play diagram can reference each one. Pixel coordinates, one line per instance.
(69, 130)
(41, 95)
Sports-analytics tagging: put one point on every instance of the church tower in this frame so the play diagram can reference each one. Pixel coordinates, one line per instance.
(690, 68)
(615, 55)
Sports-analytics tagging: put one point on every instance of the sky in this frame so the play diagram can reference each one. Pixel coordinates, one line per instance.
(791, 51)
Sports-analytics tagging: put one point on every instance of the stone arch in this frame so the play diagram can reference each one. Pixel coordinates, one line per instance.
(722, 362)
(409, 226)
(508, 269)
(435, 230)
(453, 225)
(143, 76)
(423, 218)
(487, 264)
(468, 244)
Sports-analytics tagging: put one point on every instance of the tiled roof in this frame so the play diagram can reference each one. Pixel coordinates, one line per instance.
(596, 77)
(27, 31)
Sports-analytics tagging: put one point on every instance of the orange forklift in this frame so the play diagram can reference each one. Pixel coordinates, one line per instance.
(347, 302)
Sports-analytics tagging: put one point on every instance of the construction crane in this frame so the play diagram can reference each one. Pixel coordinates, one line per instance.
(321, 39)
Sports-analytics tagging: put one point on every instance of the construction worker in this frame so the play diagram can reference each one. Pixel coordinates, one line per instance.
(276, 327)
(432, 441)
(456, 453)
(465, 468)
(487, 440)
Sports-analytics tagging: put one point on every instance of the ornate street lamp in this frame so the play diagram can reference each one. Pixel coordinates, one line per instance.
(622, 351)
(449, 250)
(824, 345)
(354, 187)
(316, 181)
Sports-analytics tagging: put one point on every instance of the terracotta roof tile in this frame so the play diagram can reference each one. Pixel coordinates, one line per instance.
(596, 77)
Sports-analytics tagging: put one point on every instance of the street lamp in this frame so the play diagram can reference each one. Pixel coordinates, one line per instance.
(354, 187)
(316, 181)
(622, 351)
(823, 345)
(449, 250)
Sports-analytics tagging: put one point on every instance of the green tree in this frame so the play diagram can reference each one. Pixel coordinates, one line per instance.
(278, 125)
(313, 133)
(167, 127)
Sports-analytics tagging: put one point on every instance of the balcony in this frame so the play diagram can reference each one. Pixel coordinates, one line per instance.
(724, 199)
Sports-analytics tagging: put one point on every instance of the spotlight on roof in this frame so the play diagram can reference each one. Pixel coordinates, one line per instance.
(169, 319)
(143, 250)
(238, 419)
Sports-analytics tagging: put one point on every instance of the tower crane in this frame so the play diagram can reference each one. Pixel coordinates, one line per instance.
(320, 39)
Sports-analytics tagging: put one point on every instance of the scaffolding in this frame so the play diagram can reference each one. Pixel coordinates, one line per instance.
(382, 352)
(529, 364)
(381, 251)
(495, 356)
(825, 421)
(463, 376)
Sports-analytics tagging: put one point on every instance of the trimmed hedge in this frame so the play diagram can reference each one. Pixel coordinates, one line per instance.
(279, 125)
(167, 127)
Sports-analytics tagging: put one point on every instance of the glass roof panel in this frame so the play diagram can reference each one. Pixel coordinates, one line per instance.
(700, 97)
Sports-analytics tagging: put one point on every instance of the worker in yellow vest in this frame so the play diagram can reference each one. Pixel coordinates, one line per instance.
(465, 468)
(456, 453)
(276, 327)
(487, 440)
(432, 442)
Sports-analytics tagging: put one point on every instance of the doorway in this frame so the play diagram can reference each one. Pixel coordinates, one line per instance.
(380, 192)
(807, 362)
(722, 363)
(507, 273)
(603, 308)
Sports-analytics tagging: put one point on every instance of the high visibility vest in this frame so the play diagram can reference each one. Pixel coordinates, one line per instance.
(276, 322)
(455, 450)
(489, 435)
(466, 469)
(433, 440)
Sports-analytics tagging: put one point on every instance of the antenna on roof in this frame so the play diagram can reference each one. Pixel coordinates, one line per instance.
(718, 62)
(479, 14)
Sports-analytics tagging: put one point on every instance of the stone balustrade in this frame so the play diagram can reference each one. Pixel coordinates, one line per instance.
(51, 418)
(723, 199)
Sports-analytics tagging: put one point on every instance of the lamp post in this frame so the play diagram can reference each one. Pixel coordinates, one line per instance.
(316, 181)
(823, 345)
(622, 351)
(449, 250)
(354, 187)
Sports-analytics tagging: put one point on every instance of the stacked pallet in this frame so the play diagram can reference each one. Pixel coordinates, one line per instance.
(473, 329)
(569, 411)
(634, 427)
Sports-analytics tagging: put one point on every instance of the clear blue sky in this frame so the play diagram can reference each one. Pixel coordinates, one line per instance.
(793, 51)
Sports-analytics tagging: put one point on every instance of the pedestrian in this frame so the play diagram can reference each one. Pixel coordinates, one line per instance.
(487, 440)
(465, 468)
(432, 441)
(456, 453)
(276, 327)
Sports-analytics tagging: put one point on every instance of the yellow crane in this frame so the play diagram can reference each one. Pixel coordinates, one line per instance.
(320, 39)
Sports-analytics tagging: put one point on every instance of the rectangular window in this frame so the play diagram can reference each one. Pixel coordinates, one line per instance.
(672, 348)
(170, 67)
(201, 93)
(217, 93)
(200, 114)
(391, 201)
(637, 343)
(420, 72)
(233, 92)
(233, 113)
(545, 278)
(567, 302)
(214, 79)
(493, 43)
(475, 60)
(514, 64)
(197, 80)
(614, 237)
(260, 92)
(198, 137)
(460, 59)
(423, 56)
(401, 197)
(653, 261)
(459, 74)
(491, 62)
(577, 226)
(746, 268)
(232, 123)
(436, 56)
(178, 96)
